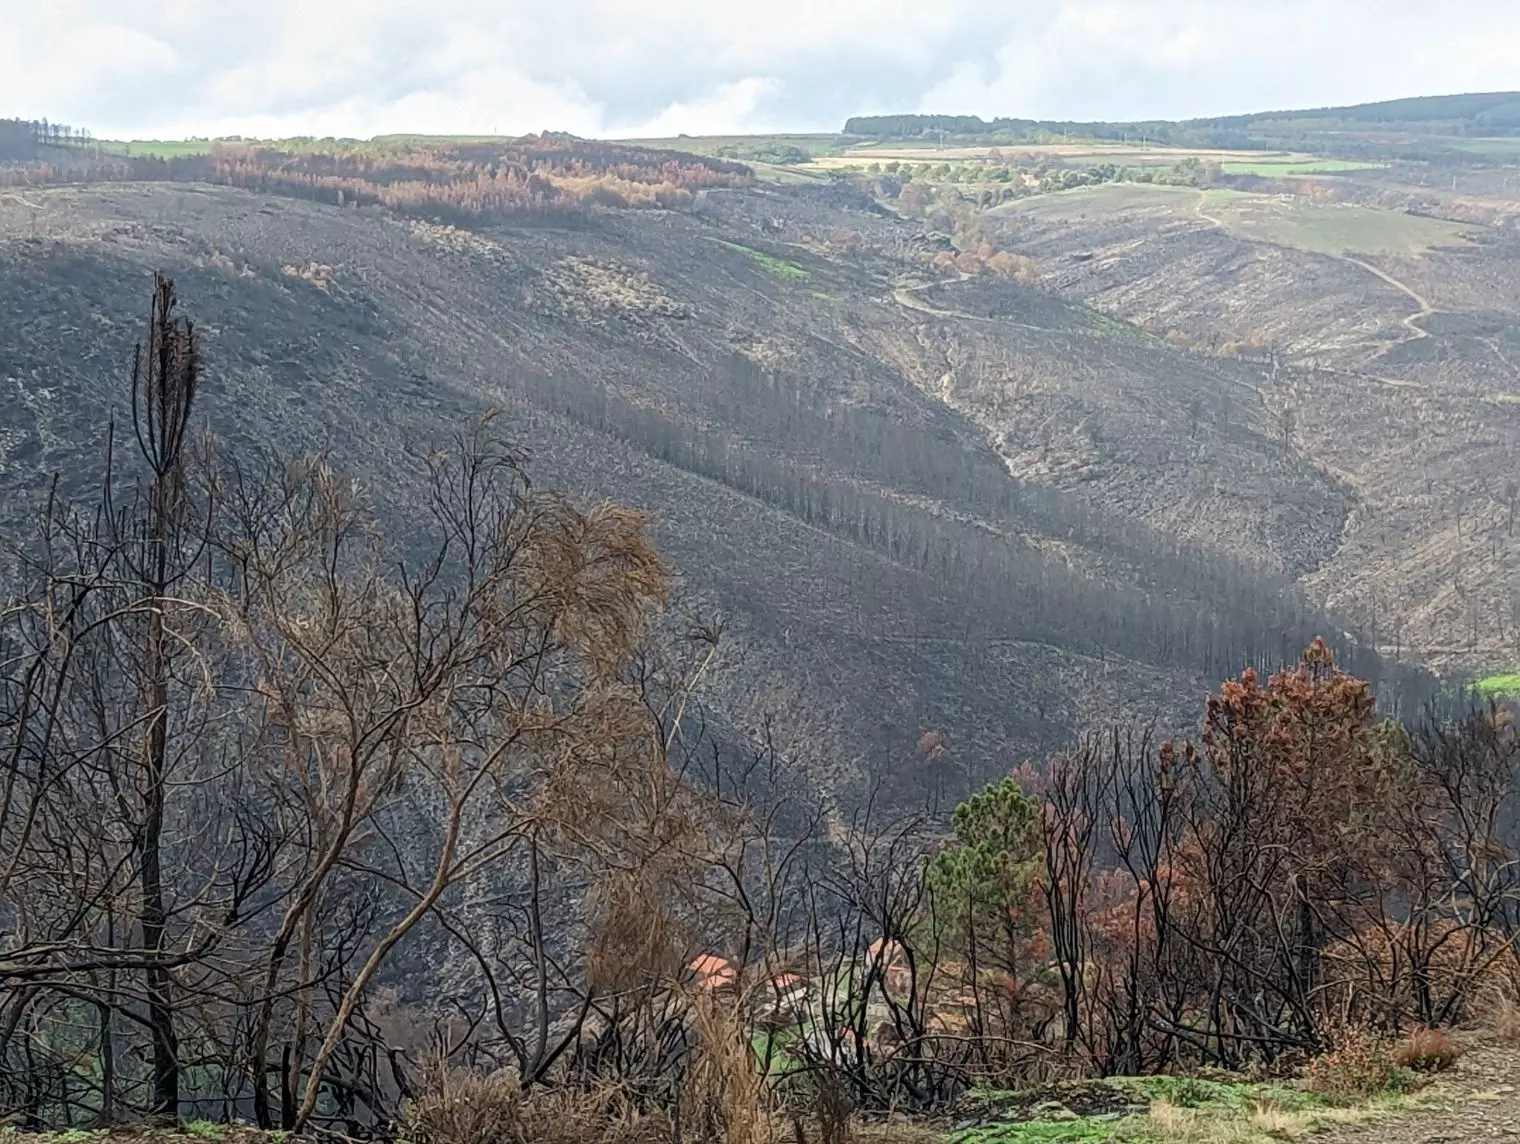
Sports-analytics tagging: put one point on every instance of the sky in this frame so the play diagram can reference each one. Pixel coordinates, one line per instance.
(172, 69)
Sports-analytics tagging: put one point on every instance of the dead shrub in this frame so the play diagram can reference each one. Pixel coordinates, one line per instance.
(1361, 1064)
(1014, 267)
(724, 1097)
(1427, 1051)
(457, 1107)
(1501, 1013)
(833, 1114)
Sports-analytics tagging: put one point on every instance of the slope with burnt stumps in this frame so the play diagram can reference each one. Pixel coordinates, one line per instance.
(888, 562)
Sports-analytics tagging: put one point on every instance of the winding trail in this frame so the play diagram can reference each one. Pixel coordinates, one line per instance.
(1204, 215)
(1426, 309)
(905, 296)
(1410, 323)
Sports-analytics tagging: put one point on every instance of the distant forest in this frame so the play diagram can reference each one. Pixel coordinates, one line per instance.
(535, 175)
(1429, 118)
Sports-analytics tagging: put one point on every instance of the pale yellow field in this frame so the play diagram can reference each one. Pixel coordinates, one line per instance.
(1286, 220)
(1120, 154)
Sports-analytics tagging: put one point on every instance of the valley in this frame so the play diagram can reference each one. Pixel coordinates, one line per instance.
(946, 632)
(657, 360)
(1290, 406)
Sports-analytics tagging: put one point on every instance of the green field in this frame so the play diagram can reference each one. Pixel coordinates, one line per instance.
(159, 148)
(1505, 147)
(1285, 167)
(787, 175)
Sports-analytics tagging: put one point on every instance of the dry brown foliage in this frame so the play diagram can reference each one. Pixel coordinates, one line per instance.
(1501, 1012)
(1362, 1063)
(1427, 1051)
(535, 175)
(458, 1107)
(725, 1099)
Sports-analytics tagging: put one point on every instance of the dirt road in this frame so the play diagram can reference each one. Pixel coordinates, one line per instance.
(1478, 1099)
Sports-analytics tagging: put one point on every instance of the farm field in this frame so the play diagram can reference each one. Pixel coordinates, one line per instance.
(1080, 202)
(826, 153)
(1285, 220)
(1326, 228)
(1119, 154)
(811, 144)
(159, 148)
(1288, 165)
(1506, 147)
(788, 174)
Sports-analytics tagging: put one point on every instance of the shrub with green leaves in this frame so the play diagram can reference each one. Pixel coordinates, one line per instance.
(1361, 1064)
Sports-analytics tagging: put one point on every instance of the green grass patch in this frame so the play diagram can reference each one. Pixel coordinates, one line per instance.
(1102, 323)
(1238, 1096)
(780, 267)
(771, 1050)
(1080, 202)
(1082, 1130)
(204, 1129)
(1288, 167)
(1161, 1110)
(1504, 147)
(156, 148)
(1505, 685)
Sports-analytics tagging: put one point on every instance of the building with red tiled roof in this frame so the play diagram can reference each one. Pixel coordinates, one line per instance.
(713, 972)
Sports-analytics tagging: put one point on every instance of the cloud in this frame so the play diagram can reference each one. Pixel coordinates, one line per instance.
(631, 67)
(727, 109)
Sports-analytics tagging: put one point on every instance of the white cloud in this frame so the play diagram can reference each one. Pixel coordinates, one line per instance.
(360, 67)
(728, 109)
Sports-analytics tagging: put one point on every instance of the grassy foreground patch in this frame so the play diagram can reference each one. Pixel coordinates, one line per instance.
(190, 1130)
(1155, 1110)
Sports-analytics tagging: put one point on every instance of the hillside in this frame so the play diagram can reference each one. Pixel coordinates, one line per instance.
(804, 422)
(1430, 126)
(722, 678)
(1389, 339)
(1364, 309)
